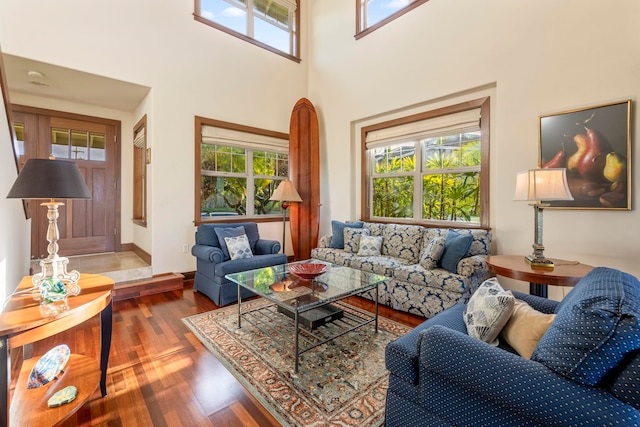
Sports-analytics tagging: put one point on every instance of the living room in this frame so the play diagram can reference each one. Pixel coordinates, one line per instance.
(530, 58)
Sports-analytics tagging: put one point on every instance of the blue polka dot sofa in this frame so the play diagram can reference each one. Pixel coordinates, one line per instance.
(410, 256)
(584, 371)
(213, 259)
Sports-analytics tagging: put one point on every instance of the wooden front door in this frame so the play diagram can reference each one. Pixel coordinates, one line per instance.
(85, 226)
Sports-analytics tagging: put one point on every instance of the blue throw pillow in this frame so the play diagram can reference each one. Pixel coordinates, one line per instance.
(337, 232)
(597, 324)
(456, 247)
(223, 232)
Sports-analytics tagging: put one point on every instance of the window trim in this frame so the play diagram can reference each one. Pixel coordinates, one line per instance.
(295, 56)
(361, 33)
(484, 105)
(139, 216)
(203, 121)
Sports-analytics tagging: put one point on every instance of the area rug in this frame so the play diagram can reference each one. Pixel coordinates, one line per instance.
(340, 383)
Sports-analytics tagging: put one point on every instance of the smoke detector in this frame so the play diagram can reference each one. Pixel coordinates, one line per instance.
(36, 78)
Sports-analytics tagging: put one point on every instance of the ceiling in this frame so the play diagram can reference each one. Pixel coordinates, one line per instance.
(51, 81)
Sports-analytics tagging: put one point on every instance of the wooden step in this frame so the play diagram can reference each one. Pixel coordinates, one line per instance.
(156, 284)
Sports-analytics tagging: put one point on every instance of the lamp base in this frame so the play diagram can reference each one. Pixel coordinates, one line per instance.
(539, 262)
(56, 268)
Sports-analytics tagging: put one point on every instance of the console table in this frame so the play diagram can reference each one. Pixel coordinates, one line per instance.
(564, 273)
(22, 323)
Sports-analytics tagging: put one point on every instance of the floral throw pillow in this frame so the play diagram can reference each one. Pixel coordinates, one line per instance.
(239, 247)
(432, 253)
(370, 245)
(352, 238)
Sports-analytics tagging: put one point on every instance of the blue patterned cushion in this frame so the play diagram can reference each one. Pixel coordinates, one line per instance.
(238, 247)
(402, 241)
(352, 238)
(488, 310)
(626, 385)
(370, 245)
(596, 326)
(224, 232)
(432, 253)
(337, 232)
(456, 247)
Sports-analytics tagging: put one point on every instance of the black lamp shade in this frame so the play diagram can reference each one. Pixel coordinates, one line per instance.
(49, 179)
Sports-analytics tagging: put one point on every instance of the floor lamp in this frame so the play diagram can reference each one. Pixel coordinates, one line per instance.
(51, 179)
(537, 186)
(285, 193)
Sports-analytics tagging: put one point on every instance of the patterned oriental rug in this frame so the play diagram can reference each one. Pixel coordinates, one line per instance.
(340, 383)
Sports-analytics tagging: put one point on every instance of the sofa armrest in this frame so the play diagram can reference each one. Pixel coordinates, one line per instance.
(544, 305)
(324, 241)
(267, 247)
(207, 253)
(475, 265)
(519, 385)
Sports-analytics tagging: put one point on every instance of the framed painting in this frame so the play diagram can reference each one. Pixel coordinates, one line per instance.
(594, 144)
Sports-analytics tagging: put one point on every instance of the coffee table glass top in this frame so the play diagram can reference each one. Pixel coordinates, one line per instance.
(279, 285)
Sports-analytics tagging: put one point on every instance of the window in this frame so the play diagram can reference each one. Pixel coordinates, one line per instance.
(239, 168)
(77, 145)
(431, 167)
(270, 24)
(373, 14)
(140, 172)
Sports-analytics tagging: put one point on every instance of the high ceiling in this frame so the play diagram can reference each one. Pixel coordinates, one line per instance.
(51, 81)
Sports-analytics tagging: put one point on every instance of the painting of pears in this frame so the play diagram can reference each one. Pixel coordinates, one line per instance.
(593, 144)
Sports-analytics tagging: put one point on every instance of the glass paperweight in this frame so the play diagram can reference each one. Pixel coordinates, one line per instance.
(52, 290)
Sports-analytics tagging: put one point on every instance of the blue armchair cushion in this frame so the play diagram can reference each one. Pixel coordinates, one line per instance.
(238, 247)
(596, 326)
(337, 232)
(456, 247)
(627, 381)
(225, 232)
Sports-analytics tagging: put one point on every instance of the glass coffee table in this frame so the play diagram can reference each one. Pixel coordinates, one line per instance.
(312, 303)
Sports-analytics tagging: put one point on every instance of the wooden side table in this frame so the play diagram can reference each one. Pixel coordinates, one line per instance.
(565, 273)
(22, 323)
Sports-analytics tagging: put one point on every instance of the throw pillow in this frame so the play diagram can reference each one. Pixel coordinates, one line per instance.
(337, 232)
(456, 247)
(352, 238)
(488, 310)
(525, 328)
(239, 247)
(370, 245)
(432, 253)
(596, 327)
(224, 232)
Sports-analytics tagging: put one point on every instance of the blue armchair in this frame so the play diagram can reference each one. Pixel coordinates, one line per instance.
(585, 370)
(213, 260)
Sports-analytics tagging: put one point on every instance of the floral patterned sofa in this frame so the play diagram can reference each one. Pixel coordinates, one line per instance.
(411, 256)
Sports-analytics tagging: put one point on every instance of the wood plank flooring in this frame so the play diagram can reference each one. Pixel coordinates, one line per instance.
(159, 372)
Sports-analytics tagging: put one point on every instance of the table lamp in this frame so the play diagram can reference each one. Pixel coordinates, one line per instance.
(538, 186)
(51, 179)
(285, 193)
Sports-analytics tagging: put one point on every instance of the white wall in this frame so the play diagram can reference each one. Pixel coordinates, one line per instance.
(14, 227)
(192, 69)
(541, 56)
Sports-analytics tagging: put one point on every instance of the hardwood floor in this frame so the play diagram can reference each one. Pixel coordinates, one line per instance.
(159, 372)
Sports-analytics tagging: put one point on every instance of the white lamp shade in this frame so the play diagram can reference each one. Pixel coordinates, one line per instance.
(542, 184)
(286, 192)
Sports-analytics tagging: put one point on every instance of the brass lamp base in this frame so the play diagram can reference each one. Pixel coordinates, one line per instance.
(539, 262)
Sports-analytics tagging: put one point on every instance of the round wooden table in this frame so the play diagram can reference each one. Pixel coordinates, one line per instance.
(564, 273)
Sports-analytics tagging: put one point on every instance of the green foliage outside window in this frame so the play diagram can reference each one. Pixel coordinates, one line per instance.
(450, 184)
(224, 180)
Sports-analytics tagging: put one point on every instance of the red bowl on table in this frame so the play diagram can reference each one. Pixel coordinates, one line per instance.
(308, 271)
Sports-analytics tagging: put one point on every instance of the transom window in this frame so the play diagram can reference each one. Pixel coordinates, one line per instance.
(239, 169)
(373, 14)
(431, 167)
(77, 145)
(271, 24)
